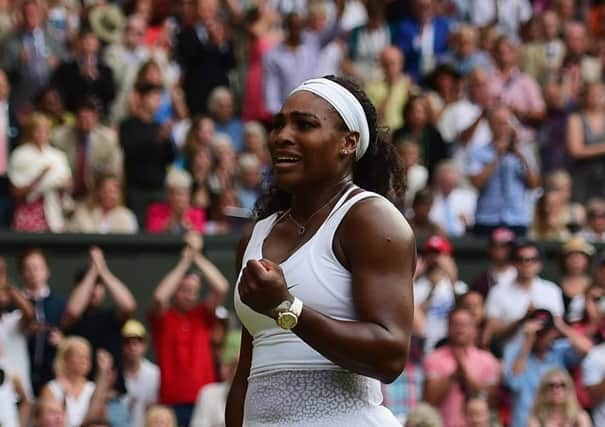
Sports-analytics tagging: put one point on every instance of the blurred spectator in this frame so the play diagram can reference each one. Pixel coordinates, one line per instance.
(464, 124)
(416, 175)
(366, 42)
(465, 55)
(48, 101)
(91, 148)
(219, 222)
(585, 139)
(125, 59)
(204, 50)
(503, 172)
(520, 92)
(16, 316)
(49, 413)
(200, 135)
(500, 268)
(423, 415)
(453, 208)
(550, 218)
(14, 403)
(508, 15)
(255, 142)
(559, 181)
(201, 168)
(85, 315)
(422, 38)
(176, 215)
(552, 148)
(29, 55)
(593, 375)
(542, 58)
(85, 75)
(594, 232)
(458, 369)
(221, 107)
(443, 90)
(223, 175)
(390, 93)
(576, 262)
(40, 179)
(147, 152)
(578, 64)
(435, 288)
(260, 24)
(527, 361)
(555, 402)
(510, 304)
(249, 182)
(172, 107)
(107, 21)
(296, 58)
(160, 416)
(48, 308)
(418, 128)
(142, 377)
(104, 211)
(212, 399)
(419, 218)
(72, 365)
(181, 328)
(9, 135)
(477, 413)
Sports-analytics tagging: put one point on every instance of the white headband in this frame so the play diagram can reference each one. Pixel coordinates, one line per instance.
(347, 106)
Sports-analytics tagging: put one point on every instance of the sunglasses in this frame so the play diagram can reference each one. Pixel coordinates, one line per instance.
(596, 214)
(527, 260)
(556, 384)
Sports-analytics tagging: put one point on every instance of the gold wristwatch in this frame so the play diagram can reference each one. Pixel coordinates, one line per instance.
(288, 313)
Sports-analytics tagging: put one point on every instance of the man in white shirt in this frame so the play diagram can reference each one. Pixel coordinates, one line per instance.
(593, 377)
(509, 14)
(142, 377)
(509, 304)
(453, 207)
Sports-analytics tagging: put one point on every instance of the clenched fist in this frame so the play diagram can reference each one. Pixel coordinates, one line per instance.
(263, 286)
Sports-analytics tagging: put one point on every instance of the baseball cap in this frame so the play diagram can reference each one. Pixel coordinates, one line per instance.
(545, 317)
(578, 244)
(502, 235)
(438, 244)
(133, 329)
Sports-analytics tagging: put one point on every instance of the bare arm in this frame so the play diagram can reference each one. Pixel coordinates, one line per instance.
(170, 282)
(581, 344)
(597, 391)
(435, 389)
(377, 344)
(24, 403)
(79, 298)
(219, 285)
(467, 134)
(575, 141)
(121, 295)
(23, 304)
(97, 407)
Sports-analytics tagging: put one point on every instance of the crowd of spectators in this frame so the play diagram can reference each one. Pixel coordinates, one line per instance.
(153, 116)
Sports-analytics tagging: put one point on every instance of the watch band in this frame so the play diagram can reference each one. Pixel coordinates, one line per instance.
(296, 307)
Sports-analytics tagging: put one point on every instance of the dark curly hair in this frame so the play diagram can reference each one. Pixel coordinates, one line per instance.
(379, 170)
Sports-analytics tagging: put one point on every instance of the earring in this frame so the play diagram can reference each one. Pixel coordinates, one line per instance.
(344, 152)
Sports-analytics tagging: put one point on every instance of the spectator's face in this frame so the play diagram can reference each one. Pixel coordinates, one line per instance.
(52, 414)
(160, 419)
(179, 199)
(98, 295)
(462, 330)
(134, 349)
(467, 43)
(595, 97)
(567, 9)
(152, 101)
(52, 103)
(135, 33)
(87, 120)
(417, 114)
(205, 131)
(409, 154)
(153, 75)
(421, 210)
(254, 142)
(251, 177)
(187, 294)
(423, 9)
(318, 20)
(4, 86)
(32, 16)
(201, 163)
(89, 45)
(596, 220)
(576, 263)
(528, 263)
(500, 122)
(392, 62)
(556, 389)
(499, 252)
(224, 108)
(550, 25)
(295, 26)
(77, 360)
(553, 96)
(447, 180)
(477, 413)
(109, 194)
(575, 39)
(207, 10)
(506, 55)
(473, 302)
(35, 271)
(479, 89)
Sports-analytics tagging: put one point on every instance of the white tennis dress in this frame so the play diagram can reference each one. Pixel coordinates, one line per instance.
(291, 384)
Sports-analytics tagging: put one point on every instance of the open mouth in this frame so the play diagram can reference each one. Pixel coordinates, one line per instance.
(285, 160)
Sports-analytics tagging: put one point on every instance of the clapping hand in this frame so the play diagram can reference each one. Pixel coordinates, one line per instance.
(262, 286)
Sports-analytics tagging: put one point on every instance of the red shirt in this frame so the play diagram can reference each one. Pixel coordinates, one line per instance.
(158, 215)
(183, 349)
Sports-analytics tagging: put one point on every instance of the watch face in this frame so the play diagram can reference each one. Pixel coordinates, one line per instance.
(287, 320)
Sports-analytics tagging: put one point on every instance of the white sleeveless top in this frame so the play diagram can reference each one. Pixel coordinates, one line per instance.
(76, 407)
(317, 278)
(9, 415)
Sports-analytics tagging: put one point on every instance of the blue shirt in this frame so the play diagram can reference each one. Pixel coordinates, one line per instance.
(525, 385)
(235, 130)
(504, 199)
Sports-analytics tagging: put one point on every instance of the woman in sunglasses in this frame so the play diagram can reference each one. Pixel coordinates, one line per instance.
(555, 404)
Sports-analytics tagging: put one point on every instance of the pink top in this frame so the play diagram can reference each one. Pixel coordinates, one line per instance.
(158, 216)
(519, 91)
(482, 366)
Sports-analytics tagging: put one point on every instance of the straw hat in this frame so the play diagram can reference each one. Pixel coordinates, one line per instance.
(108, 22)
